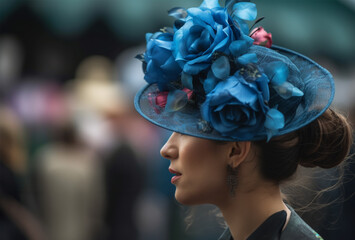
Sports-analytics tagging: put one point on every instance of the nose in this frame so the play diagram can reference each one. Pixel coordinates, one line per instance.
(170, 148)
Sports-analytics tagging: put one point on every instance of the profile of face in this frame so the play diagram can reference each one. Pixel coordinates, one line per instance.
(200, 166)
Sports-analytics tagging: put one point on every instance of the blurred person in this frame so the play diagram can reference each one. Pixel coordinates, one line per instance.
(70, 187)
(15, 146)
(124, 175)
(124, 182)
(11, 59)
(103, 116)
(16, 221)
(244, 114)
(157, 213)
(92, 93)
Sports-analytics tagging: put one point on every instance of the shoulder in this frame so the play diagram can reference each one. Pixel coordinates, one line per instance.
(299, 229)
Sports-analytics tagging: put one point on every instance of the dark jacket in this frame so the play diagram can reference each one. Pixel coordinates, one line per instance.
(271, 229)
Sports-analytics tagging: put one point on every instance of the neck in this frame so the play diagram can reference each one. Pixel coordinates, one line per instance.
(245, 212)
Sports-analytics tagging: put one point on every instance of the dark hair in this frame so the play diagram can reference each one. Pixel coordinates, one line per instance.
(324, 143)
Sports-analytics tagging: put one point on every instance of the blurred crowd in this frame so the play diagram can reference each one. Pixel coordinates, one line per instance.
(77, 162)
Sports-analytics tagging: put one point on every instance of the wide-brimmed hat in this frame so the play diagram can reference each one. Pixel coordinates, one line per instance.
(209, 76)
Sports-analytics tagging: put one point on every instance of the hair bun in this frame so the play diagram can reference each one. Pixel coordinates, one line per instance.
(326, 141)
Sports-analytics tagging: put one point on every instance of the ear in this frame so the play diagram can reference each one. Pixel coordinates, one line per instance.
(239, 151)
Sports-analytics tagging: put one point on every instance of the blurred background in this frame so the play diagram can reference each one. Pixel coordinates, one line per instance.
(76, 160)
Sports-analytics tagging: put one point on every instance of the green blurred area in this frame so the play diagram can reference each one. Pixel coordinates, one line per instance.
(316, 27)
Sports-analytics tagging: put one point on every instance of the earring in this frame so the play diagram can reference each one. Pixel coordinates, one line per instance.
(232, 174)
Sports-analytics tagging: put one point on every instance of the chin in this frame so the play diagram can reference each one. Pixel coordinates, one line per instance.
(200, 197)
(183, 198)
(189, 199)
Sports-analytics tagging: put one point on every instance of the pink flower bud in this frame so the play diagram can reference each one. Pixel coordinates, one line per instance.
(261, 37)
(158, 100)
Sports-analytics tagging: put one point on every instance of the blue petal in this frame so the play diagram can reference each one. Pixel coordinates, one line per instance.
(199, 14)
(178, 24)
(243, 93)
(152, 73)
(287, 90)
(277, 72)
(200, 44)
(245, 10)
(209, 84)
(238, 47)
(148, 36)
(229, 117)
(221, 67)
(205, 110)
(248, 39)
(220, 107)
(158, 55)
(176, 100)
(270, 133)
(192, 34)
(274, 119)
(179, 50)
(170, 65)
(178, 13)
(195, 68)
(297, 92)
(171, 68)
(154, 35)
(248, 58)
(221, 16)
(210, 4)
(264, 87)
(241, 24)
(221, 40)
(186, 80)
(163, 44)
(202, 25)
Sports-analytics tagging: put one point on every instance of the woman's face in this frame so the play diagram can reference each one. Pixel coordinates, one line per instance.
(202, 164)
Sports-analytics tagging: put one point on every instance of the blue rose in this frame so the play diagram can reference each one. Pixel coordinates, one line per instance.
(205, 31)
(238, 106)
(161, 67)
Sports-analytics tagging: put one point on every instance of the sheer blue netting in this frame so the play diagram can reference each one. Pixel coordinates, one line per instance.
(315, 82)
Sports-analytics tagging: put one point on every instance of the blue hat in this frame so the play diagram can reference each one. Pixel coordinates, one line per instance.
(209, 76)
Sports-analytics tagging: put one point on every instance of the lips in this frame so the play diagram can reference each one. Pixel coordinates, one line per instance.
(172, 171)
(176, 177)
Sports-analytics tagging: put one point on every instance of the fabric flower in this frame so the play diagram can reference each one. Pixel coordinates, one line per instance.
(261, 37)
(161, 67)
(237, 106)
(169, 100)
(244, 11)
(205, 31)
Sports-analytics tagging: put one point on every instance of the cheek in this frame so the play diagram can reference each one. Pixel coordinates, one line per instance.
(202, 189)
(204, 181)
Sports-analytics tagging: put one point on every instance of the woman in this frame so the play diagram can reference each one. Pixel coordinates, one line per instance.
(244, 117)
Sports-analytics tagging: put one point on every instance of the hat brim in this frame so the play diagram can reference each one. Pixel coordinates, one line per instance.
(318, 94)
